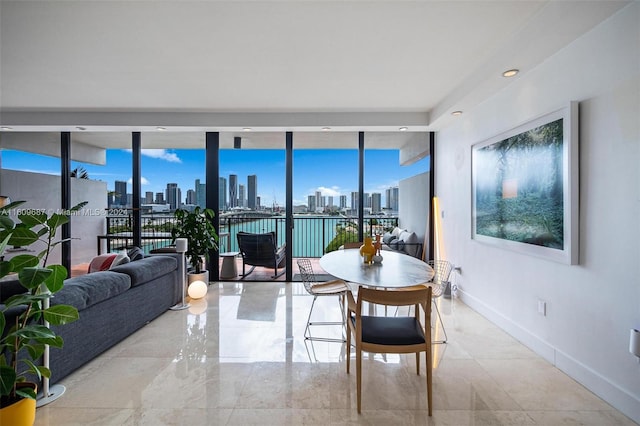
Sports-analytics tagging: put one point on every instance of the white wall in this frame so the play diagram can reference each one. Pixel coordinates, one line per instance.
(413, 204)
(41, 191)
(591, 306)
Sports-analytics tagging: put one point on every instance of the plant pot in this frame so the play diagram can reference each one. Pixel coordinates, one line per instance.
(202, 276)
(22, 412)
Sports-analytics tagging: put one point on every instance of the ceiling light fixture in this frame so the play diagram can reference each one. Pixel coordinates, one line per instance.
(161, 129)
(6, 128)
(403, 129)
(326, 129)
(81, 128)
(510, 73)
(247, 129)
(456, 113)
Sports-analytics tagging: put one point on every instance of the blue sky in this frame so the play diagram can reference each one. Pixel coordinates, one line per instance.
(333, 172)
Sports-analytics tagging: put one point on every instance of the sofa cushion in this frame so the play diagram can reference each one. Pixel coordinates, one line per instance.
(101, 262)
(135, 253)
(87, 290)
(147, 269)
(10, 286)
(410, 240)
(388, 237)
(121, 259)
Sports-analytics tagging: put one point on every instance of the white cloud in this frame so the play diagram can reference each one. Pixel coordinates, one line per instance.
(160, 154)
(334, 191)
(143, 180)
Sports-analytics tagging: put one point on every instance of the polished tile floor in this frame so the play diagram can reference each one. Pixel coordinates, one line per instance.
(239, 358)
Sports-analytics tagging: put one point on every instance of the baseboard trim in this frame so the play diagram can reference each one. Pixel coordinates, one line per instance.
(619, 398)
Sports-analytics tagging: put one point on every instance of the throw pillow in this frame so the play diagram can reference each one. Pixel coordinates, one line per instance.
(135, 253)
(121, 259)
(410, 243)
(397, 244)
(101, 263)
(388, 237)
(396, 232)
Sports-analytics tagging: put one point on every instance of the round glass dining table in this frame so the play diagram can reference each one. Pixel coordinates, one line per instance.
(396, 270)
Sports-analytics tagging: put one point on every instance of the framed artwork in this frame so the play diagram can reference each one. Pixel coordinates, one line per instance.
(525, 187)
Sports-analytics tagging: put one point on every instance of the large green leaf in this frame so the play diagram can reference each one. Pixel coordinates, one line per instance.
(25, 299)
(22, 236)
(5, 267)
(7, 379)
(34, 331)
(21, 261)
(61, 314)
(33, 277)
(32, 220)
(26, 392)
(55, 281)
(6, 222)
(55, 221)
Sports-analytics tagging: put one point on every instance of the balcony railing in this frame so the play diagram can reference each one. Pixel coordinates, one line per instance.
(312, 235)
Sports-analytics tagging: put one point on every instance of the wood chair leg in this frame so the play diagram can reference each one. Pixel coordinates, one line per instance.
(359, 378)
(429, 361)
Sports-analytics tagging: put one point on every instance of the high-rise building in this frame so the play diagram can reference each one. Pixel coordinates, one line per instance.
(191, 197)
(367, 200)
(233, 191)
(252, 192)
(148, 197)
(159, 198)
(343, 201)
(392, 198)
(222, 194)
(174, 195)
(311, 201)
(319, 203)
(121, 193)
(241, 196)
(201, 194)
(354, 200)
(376, 202)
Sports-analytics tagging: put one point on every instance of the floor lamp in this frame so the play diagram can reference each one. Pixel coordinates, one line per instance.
(49, 393)
(182, 245)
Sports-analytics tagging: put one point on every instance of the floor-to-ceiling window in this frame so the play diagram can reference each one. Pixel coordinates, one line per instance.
(252, 190)
(325, 191)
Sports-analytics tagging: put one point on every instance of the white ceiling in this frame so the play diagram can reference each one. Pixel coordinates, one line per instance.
(193, 66)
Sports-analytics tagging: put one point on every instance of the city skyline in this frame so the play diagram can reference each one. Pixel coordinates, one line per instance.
(332, 172)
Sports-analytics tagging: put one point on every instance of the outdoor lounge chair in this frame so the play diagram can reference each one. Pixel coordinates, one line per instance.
(261, 250)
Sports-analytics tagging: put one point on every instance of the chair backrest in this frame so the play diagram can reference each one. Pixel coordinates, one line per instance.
(306, 271)
(442, 270)
(420, 296)
(258, 247)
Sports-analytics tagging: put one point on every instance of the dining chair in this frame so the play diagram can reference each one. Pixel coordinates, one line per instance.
(383, 334)
(329, 288)
(441, 272)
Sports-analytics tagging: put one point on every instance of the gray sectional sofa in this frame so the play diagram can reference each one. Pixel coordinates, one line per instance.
(112, 305)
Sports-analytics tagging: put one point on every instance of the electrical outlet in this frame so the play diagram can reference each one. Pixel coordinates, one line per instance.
(542, 308)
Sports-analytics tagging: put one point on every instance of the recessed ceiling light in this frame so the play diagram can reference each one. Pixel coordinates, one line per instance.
(456, 113)
(161, 129)
(510, 73)
(81, 128)
(403, 129)
(247, 129)
(6, 128)
(326, 129)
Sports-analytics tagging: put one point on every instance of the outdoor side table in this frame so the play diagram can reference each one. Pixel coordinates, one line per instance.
(229, 268)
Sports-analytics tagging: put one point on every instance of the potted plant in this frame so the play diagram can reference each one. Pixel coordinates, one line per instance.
(25, 336)
(197, 227)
